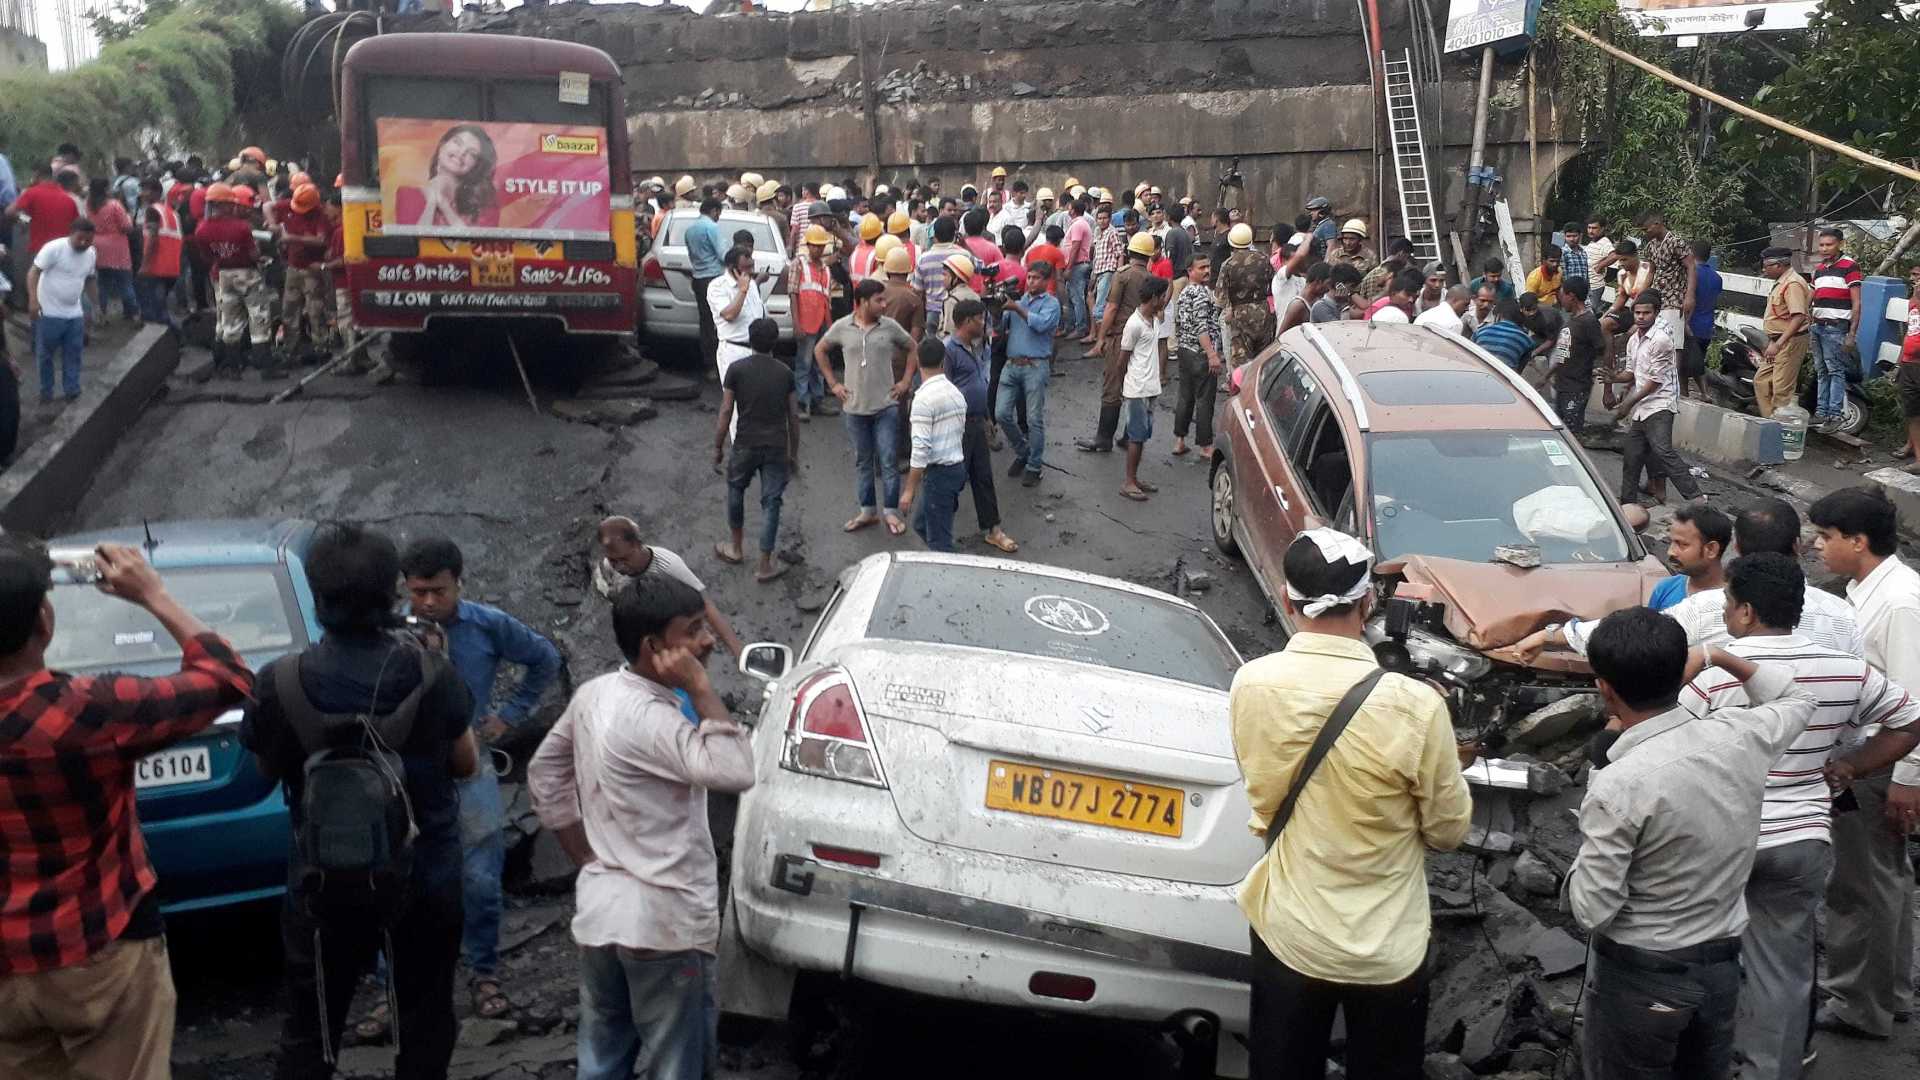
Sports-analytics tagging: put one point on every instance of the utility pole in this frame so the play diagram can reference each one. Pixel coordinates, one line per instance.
(1476, 159)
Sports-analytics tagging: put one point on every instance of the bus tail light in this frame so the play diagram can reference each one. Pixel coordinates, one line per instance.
(827, 733)
(651, 273)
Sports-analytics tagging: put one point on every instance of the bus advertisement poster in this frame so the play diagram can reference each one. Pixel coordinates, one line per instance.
(466, 180)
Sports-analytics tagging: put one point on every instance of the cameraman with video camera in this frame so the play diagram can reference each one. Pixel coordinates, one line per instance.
(369, 730)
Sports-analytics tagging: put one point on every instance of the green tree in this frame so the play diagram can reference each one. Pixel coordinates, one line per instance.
(118, 20)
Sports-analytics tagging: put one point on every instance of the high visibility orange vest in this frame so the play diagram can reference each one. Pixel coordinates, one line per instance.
(162, 257)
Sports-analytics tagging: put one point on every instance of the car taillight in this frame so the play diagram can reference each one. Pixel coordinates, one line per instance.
(827, 734)
(651, 273)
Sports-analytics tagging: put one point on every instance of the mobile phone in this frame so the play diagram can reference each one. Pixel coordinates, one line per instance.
(81, 564)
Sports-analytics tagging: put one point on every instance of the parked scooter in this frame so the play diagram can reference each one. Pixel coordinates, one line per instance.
(1740, 356)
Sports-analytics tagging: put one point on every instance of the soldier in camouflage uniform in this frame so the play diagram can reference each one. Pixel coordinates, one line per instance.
(1244, 278)
(242, 307)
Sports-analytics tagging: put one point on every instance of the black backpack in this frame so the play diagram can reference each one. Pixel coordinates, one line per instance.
(353, 849)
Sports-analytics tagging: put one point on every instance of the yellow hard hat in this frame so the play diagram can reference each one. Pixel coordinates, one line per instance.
(751, 180)
(898, 223)
(870, 227)
(960, 264)
(1356, 227)
(884, 245)
(1103, 194)
(817, 235)
(1074, 191)
(1141, 244)
(683, 185)
(767, 190)
(1240, 236)
(1045, 194)
(1072, 182)
(899, 262)
(736, 193)
(999, 170)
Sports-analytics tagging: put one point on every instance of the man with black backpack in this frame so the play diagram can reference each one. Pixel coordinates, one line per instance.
(1352, 773)
(369, 730)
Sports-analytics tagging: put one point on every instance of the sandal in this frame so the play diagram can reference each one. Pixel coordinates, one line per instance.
(861, 521)
(1004, 543)
(895, 527)
(1149, 488)
(373, 1027)
(778, 569)
(720, 552)
(1136, 494)
(488, 1002)
(1182, 451)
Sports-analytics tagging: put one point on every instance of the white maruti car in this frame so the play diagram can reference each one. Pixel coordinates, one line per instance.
(998, 782)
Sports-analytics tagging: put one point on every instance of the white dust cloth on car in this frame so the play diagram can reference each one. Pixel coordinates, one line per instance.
(1561, 512)
(1335, 546)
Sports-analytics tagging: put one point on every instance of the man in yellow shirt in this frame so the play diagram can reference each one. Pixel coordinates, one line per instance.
(1338, 905)
(1544, 282)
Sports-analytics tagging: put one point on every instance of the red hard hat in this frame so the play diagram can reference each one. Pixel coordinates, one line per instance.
(243, 197)
(305, 198)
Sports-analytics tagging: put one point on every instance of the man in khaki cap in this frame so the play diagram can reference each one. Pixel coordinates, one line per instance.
(764, 195)
(1352, 249)
(998, 181)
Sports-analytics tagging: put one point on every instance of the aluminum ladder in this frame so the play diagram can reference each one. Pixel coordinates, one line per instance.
(1410, 157)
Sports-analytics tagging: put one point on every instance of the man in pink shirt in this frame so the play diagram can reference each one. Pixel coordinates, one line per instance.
(1078, 248)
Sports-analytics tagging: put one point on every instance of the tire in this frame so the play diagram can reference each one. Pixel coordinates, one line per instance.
(1225, 508)
(1855, 414)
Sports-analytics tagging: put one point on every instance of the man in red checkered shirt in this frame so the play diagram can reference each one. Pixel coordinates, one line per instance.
(84, 984)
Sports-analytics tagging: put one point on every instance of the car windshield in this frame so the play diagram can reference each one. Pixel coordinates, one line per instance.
(1461, 494)
(1040, 615)
(760, 227)
(95, 632)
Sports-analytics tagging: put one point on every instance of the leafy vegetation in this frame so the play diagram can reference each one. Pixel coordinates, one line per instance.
(118, 20)
(179, 79)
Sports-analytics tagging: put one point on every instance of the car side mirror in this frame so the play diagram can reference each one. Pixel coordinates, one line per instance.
(765, 660)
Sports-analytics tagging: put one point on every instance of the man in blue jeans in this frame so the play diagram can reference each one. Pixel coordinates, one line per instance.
(1836, 327)
(57, 287)
(766, 445)
(939, 454)
(622, 782)
(869, 397)
(1030, 323)
(479, 638)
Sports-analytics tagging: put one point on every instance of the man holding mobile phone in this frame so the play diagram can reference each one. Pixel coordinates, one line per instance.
(735, 299)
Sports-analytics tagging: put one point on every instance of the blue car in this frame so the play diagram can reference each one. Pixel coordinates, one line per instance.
(216, 828)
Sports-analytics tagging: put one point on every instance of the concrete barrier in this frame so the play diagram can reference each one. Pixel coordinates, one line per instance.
(40, 489)
(1727, 437)
(1904, 489)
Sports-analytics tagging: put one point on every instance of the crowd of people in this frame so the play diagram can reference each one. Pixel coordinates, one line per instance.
(165, 240)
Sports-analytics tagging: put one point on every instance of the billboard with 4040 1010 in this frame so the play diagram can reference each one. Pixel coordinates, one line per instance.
(471, 180)
(1510, 23)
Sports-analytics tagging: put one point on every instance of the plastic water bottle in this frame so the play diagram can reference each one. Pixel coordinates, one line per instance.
(1793, 421)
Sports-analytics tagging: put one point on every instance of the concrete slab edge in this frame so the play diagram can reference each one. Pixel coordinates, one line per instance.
(41, 488)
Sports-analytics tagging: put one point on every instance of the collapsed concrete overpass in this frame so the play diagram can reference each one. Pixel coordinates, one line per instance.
(1111, 91)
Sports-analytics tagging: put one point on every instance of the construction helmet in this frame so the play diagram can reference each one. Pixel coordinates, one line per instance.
(234, 166)
(752, 180)
(1075, 191)
(881, 189)
(766, 191)
(736, 193)
(258, 155)
(218, 192)
(884, 245)
(1240, 236)
(870, 227)
(816, 236)
(1356, 227)
(305, 197)
(960, 264)
(1141, 244)
(1044, 195)
(1072, 182)
(999, 170)
(898, 223)
(682, 186)
(899, 262)
(297, 179)
(656, 182)
(242, 197)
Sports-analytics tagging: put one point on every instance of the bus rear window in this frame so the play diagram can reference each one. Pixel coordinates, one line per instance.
(539, 102)
(423, 99)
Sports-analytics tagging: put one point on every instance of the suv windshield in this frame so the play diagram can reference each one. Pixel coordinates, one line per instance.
(1460, 494)
(94, 631)
(1041, 615)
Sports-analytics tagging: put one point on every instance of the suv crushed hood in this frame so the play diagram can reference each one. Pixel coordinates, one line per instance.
(1491, 605)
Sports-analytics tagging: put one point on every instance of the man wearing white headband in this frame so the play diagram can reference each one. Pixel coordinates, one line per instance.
(1338, 905)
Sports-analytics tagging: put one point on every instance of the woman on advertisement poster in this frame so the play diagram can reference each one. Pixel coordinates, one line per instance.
(460, 187)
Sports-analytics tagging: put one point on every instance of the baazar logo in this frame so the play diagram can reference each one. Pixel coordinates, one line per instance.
(569, 144)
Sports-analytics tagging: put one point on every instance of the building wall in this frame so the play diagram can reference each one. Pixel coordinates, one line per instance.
(21, 52)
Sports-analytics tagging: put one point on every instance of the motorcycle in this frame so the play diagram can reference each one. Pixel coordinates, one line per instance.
(1733, 383)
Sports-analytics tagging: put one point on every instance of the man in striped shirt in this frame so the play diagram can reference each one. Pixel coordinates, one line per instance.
(1836, 326)
(939, 434)
(1764, 596)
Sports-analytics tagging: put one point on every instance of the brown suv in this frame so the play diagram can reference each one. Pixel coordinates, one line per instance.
(1488, 521)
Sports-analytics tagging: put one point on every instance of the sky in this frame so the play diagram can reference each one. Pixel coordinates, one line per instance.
(56, 42)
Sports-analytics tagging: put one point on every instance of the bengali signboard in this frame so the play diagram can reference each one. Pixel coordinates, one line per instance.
(457, 178)
(1473, 23)
(1670, 18)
